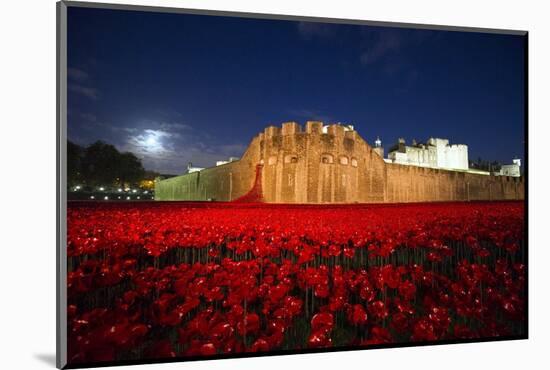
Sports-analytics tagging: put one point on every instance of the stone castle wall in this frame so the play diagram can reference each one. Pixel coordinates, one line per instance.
(223, 183)
(309, 166)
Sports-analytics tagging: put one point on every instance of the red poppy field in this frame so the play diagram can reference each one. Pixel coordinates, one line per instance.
(156, 280)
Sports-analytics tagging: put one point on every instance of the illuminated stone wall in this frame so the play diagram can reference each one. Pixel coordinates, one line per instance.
(305, 165)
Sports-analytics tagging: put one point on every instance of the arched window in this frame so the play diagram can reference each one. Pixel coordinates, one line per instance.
(291, 158)
(327, 159)
(344, 160)
(354, 162)
(272, 160)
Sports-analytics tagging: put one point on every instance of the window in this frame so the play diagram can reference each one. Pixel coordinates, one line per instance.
(327, 159)
(354, 162)
(291, 158)
(344, 160)
(272, 160)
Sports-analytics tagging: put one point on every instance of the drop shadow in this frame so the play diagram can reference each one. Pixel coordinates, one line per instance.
(47, 358)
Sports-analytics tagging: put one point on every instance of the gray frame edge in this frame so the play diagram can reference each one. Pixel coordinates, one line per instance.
(224, 13)
(61, 192)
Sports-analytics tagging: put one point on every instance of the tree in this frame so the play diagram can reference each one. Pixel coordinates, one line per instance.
(74, 159)
(100, 164)
(130, 169)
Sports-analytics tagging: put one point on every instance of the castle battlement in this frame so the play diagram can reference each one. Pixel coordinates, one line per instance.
(314, 127)
(290, 128)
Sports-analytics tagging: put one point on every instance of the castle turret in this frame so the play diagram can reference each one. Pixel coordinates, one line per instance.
(378, 149)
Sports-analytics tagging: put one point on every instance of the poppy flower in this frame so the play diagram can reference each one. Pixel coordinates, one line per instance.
(249, 325)
(260, 345)
(323, 321)
(357, 315)
(423, 330)
(378, 310)
(407, 289)
(208, 349)
(319, 339)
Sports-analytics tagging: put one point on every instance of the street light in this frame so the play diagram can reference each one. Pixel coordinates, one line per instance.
(101, 188)
(106, 198)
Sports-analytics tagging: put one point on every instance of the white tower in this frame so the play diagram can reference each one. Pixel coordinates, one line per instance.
(378, 147)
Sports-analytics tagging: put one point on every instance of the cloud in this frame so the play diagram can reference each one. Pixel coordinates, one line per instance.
(310, 115)
(89, 117)
(150, 142)
(387, 42)
(76, 79)
(309, 30)
(76, 74)
(88, 92)
(167, 147)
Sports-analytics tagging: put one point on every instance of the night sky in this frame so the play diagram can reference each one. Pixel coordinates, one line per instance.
(175, 88)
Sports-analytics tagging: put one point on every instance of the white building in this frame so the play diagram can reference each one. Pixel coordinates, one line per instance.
(435, 153)
(347, 127)
(513, 169)
(191, 168)
(231, 159)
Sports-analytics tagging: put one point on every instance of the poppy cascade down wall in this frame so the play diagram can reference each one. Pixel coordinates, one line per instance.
(310, 166)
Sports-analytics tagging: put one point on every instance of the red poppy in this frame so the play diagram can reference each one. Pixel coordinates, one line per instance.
(378, 310)
(357, 315)
(323, 321)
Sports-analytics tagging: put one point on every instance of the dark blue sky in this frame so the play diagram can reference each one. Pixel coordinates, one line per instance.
(175, 88)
